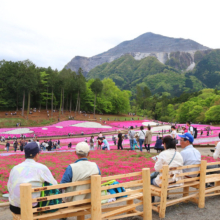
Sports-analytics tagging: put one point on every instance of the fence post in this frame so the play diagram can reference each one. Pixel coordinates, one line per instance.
(96, 212)
(147, 206)
(163, 198)
(26, 201)
(202, 184)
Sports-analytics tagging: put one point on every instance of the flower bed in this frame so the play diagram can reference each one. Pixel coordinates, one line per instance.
(109, 162)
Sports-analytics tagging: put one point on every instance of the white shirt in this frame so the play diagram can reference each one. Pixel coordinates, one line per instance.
(190, 130)
(216, 154)
(191, 156)
(142, 134)
(164, 158)
(27, 172)
(173, 134)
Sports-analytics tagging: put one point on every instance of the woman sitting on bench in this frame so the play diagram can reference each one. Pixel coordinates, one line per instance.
(167, 157)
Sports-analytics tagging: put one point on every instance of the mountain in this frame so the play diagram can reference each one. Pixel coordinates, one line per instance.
(148, 44)
(127, 73)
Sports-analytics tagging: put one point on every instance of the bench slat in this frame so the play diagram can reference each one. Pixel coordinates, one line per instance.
(121, 210)
(121, 176)
(59, 196)
(182, 168)
(128, 184)
(130, 197)
(213, 163)
(71, 214)
(63, 205)
(172, 202)
(122, 194)
(59, 186)
(63, 211)
(125, 216)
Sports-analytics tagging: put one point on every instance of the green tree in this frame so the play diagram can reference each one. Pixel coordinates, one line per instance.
(96, 88)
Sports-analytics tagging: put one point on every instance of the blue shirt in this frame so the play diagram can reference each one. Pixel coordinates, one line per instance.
(190, 156)
(68, 175)
(105, 142)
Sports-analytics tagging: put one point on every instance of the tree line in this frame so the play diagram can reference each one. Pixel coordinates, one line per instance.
(23, 85)
(198, 107)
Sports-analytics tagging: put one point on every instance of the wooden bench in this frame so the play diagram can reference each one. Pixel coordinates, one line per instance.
(197, 184)
(93, 205)
(214, 178)
(129, 209)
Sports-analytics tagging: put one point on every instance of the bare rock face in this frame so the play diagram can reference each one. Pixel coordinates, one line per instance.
(148, 44)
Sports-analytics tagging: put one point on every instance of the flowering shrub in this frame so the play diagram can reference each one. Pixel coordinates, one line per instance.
(109, 162)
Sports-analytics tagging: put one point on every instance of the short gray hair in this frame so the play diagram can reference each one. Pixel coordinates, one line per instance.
(82, 154)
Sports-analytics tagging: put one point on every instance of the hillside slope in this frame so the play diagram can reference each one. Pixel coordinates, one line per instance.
(127, 73)
(148, 44)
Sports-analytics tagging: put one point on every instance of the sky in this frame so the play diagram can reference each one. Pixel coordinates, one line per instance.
(51, 33)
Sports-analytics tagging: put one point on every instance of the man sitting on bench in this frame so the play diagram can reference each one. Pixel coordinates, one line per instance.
(191, 156)
(81, 169)
(28, 171)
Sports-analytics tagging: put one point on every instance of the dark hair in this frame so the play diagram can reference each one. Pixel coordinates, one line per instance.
(131, 127)
(149, 127)
(142, 127)
(188, 122)
(170, 142)
(173, 127)
(30, 157)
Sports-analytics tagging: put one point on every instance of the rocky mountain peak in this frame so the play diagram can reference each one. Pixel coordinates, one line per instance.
(148, 44)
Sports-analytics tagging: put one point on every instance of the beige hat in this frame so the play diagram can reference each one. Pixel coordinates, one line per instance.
(160, 136)
(82, 147)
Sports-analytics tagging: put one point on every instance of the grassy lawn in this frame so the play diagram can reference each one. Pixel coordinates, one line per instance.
(11, 122)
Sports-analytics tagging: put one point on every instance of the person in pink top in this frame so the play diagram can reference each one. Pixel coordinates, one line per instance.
(100, 135)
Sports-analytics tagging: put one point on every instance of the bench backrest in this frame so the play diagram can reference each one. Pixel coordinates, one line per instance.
(26, 190)
(130, 180)
(184, 176)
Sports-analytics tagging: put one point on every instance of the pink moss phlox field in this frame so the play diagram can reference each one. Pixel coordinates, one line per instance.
(109, 162)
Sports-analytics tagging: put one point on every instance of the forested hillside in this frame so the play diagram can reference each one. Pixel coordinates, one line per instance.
(202, 106)
(128, 73)
(23, 85)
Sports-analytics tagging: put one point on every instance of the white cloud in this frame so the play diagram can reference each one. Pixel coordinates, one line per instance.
(51, 33)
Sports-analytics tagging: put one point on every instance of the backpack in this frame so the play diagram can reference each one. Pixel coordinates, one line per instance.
(195, 132)
(115, 190)
(50, 202)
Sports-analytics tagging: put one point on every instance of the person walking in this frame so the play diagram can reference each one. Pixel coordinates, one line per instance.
(69, 145)
(120, 139)
(49, 145)
(131, 135)
(91, 143)
(15, 145)
(148, 139)
(7, 146)
(141, 136)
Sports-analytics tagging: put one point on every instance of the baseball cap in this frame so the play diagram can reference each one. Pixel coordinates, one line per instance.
(31, 149)
(187, 136)
(82, 148)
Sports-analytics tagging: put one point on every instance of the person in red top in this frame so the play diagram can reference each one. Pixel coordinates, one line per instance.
(99, 144)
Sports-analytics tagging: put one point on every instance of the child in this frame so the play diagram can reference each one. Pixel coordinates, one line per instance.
(135, 144)
(99, 143)
(91, 143)
(114, 139)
